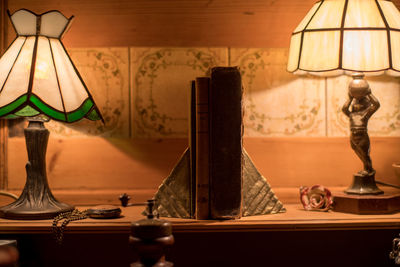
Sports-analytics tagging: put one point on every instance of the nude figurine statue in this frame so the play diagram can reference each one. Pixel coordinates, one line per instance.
(359, 107)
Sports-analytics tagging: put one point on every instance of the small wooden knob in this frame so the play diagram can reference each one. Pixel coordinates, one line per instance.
(150, 237)
(8, 253)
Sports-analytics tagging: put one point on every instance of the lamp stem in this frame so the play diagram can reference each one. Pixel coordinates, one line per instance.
(36, 200)
(359, 107)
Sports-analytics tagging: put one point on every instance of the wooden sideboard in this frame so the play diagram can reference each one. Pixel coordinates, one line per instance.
(294, 238)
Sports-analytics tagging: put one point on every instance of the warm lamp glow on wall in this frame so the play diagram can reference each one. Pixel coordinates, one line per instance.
(350, 37)
(38, 80)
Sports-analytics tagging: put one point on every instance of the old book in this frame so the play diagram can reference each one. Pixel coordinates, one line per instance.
(192, 147)
(226, 127)
(202, 148)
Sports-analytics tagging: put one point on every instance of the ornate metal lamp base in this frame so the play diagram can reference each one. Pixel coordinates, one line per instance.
(36, 200)
(26, 209)
(364, 184)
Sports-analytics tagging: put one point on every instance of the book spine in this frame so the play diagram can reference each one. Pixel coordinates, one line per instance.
(192, 147)
(225, 143)
(202, 148)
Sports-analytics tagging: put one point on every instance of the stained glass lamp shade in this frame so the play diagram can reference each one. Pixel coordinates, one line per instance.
(36, 74)
(344, 36)
(350, 37)
(38, 79)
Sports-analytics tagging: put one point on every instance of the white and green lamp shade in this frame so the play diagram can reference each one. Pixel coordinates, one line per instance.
(37, 76)
(342, 36)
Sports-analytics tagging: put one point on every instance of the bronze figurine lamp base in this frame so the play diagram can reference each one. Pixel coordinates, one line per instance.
(36, 200)
(359, 107)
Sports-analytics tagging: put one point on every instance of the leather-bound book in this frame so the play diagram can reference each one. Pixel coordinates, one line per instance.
(192, 147)
(226, 128)
(202, 148)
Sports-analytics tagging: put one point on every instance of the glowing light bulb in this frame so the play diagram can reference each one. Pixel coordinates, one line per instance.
(41, 69)
(349, 43)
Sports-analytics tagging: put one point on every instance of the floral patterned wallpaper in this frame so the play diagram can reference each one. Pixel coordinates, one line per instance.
(106, 73)
(278, 103)
(160, 87)
(143, 92)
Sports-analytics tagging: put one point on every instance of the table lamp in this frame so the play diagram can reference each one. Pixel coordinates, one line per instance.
(350, 37)
(39, 81)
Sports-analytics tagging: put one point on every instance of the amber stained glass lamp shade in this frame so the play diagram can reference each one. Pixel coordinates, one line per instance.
(354, 37)
(38, 80)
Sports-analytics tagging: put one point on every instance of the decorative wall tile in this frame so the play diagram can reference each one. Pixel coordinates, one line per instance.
(106, 74)
(152, 100)
(385, 122)
(160, 79)
(278, 103)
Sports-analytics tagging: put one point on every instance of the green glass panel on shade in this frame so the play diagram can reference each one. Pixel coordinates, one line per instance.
(80, 112)
(7, 109)
(45, 109)
(13, 110)
(93, 115)
(27, 111)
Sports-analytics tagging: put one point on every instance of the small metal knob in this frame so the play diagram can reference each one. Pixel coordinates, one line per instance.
(124, 198)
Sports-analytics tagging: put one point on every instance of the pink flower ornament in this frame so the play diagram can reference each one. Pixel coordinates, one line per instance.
(316, 198)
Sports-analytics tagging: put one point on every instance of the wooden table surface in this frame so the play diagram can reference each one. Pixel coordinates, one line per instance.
(295, 219)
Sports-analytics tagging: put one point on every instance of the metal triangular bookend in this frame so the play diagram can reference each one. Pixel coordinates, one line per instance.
(258, 196)
(174, 197)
